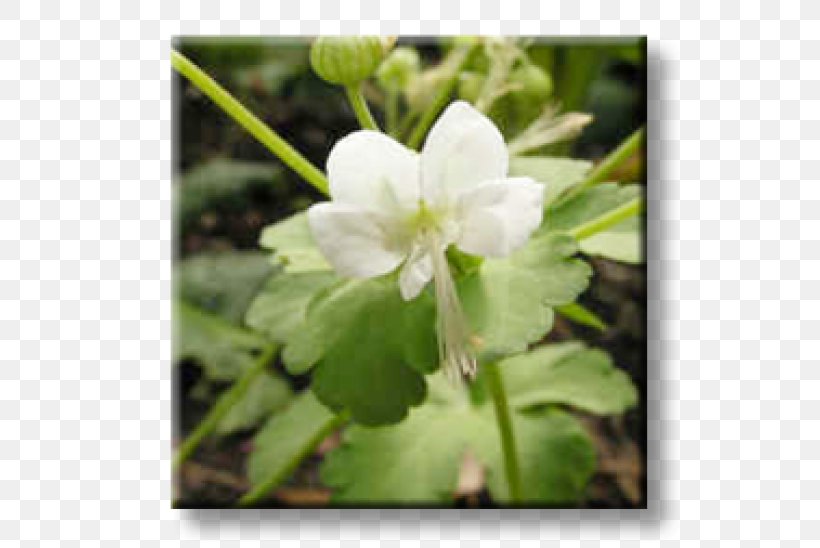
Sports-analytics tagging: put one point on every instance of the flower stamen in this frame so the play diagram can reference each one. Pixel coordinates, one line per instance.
(453, 333)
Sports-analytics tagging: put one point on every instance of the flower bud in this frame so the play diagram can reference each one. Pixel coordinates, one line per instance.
(531, 82)
(469, 85)
(399, 69)
(346, 60)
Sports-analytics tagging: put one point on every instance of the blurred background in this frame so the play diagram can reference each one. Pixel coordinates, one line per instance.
(228, 187)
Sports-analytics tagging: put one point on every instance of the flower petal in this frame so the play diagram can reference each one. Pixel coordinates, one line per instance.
(463, 149)
(416, 272)
(356, 242)
(370, 170)
(498, 217)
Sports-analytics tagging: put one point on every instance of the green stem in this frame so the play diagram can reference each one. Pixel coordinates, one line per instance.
(359, 104)
(233, 108)
(405, 125)
(608, 219)
(505, 427)
(224, 404)
(261, 490)
(391, 112)
(457, 61)
(613, 160)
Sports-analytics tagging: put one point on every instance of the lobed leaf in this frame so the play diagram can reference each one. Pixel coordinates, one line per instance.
(509, 301)
(293, 245)
(280, 309)
(570, 374)
(417, 461)
(368, 348)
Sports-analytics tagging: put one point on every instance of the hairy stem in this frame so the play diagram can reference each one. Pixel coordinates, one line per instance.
(456, 62)
(359, 104)
(505, 428)
(263, 133)
(224, 404)
(609, 219)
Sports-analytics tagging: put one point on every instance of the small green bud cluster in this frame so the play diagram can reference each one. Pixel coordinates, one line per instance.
(399, 69)
(346, 60)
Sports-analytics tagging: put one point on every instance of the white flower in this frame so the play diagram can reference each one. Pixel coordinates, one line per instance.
(392, 206)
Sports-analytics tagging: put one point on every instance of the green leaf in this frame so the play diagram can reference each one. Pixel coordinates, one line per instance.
(508, 303)
(582, 316)
(293, 245)
(222, 283)
(369, 348)
(414, 462)
(417, 461)
(587, 205)
(223, 349)
(266, 395)
(555, 454)
(280, 309)
(285, 440)
(623, 242)
(570, 374)
(557, 174)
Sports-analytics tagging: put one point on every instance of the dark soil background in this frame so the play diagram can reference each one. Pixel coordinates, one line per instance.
(217, 211)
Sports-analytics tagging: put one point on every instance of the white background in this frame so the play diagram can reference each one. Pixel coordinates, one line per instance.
(85, 247)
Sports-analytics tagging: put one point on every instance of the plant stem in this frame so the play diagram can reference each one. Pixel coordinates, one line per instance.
(457, 61)
(391, 112)
(359, 104)
(505, 428)
(224, 404)
(261, 491)
(615, 158)
(263, 133)
(609, 219)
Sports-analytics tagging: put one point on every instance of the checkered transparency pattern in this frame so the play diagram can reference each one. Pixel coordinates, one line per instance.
(85, 327)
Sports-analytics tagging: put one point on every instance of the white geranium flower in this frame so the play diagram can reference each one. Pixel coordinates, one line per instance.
(392, 206)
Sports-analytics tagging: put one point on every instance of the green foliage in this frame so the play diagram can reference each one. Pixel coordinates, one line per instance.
(557, 174)
(570, 374)
(266, 395)
(413, 462)
(417, 461)
(622, 242)
(280, 309)
(213, 294)
(369, 348)
(581, 315)
(555, 454)
(373, 367)
(221, 348)
(509, 302)
(588, 205)
(285, 440)
(222, 283)
(293, 245)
